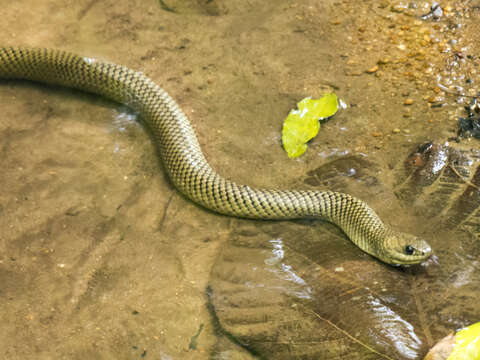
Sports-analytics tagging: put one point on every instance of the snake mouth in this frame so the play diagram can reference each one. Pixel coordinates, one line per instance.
(401, 259)
(410, 263)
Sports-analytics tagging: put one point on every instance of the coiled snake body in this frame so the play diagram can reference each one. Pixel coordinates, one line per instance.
(186, 165)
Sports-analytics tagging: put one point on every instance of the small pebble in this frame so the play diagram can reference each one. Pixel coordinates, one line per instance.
(384, 61)
(373, 69)
(377, 134)
(434, 99)
(396, 130)
(408, 102)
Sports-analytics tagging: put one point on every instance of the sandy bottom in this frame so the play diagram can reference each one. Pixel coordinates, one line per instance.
(101, 258)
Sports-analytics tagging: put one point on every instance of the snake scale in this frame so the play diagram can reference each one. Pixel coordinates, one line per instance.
(186, 165)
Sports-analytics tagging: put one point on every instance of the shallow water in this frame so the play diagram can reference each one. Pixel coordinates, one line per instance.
(100, 257)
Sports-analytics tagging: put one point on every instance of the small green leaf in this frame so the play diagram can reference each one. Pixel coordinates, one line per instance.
(322, 108)
(302, 125)
(467, 345)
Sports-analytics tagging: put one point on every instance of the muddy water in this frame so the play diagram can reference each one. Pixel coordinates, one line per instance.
(101, 258)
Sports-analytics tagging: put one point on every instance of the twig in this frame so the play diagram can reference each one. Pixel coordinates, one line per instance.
(452, 92)
(165, 210)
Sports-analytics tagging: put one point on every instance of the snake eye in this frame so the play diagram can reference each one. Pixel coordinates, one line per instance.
(409, 249)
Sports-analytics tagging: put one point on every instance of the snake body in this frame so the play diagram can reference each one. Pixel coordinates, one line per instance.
(186, 165)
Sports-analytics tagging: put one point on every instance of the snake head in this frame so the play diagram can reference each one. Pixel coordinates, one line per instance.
(405, 249)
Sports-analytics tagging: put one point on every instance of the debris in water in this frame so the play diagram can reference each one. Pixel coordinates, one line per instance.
(303, 124)
(470, 126)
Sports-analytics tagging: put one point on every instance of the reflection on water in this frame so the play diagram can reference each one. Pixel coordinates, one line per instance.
(76, 222)
(392, 326)
(88, 60)
(440, 161)
(278, 252)
(285, 271)
(124, 119)
(333, 152)
(464, 276)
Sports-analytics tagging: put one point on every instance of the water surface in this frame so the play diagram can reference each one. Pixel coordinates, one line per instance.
(100, 257)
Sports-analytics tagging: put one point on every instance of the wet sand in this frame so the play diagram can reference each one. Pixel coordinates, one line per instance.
(100, 257)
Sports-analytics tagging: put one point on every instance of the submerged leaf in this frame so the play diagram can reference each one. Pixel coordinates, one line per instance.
(302, 125)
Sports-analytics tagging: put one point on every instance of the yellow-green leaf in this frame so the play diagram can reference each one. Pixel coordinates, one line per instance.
(302, 125)
(322, 108)
(467, 345)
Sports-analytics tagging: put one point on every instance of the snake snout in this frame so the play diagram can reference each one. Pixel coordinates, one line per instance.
(406, 249)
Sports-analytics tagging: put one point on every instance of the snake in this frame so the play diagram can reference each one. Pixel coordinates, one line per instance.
(186, 165)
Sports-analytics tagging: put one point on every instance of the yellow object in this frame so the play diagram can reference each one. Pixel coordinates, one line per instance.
(467, 346)
(302, 125)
